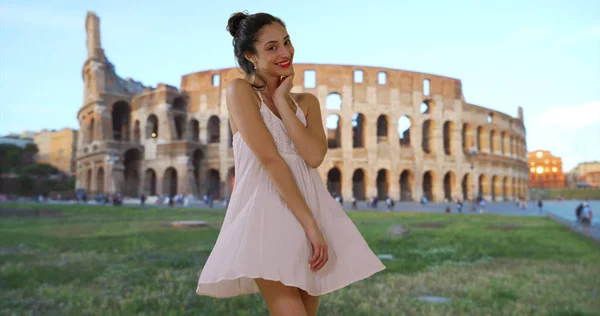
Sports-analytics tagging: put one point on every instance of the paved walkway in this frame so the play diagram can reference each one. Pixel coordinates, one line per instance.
(562, 212)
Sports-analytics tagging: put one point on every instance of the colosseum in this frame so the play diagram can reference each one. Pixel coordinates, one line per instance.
(391, 133)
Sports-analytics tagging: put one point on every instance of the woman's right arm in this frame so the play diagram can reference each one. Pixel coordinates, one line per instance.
(247, 120)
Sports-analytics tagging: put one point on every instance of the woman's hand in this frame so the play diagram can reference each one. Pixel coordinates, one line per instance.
(285, 85)
(320, 255)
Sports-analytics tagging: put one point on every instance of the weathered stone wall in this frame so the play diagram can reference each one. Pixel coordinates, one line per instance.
(191, 151)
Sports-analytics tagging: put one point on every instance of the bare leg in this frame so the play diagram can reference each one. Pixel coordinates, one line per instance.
(281, 300)
(311, 303)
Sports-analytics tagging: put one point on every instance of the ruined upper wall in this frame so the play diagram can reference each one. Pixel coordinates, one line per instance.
(365, 84)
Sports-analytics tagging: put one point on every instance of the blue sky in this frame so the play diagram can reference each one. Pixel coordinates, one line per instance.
(542, 55)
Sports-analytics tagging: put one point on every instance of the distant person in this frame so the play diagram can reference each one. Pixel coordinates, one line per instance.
(389, 204)
(459, 206)
(482, 204)
(353, 203)
(586, 215)
(338, 199)
(578, 211)
(540, 205)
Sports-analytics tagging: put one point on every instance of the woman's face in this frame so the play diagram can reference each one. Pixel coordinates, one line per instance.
(275, 51)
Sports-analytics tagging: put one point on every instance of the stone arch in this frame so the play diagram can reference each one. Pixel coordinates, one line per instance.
(334, 181)
(170, 182)
(358, 130)
(152, 126)
(493, 136)
(428, 185)
(359, 184)
(90, 135)
(503, 143)
(406, 185)
(333, 101)
(481, 139)
(466, 186)
(495, 187)
(404, 127)
(427, 107)
(467, 138)
(505, 188)
(197, 162)
(150, 182)
(100, 180)
(383, 184)
(137, 134)
(334, 131)
(214, 183)
(448, 134)
(179, 104)
(121, 115)
(194, 130)
(515, 193)
(482, 190)
(179, 121)
(382, 128)
(132, 163)
(427, 143)
(511, 145)
(88, 182)
(214, 130)
(449, 183)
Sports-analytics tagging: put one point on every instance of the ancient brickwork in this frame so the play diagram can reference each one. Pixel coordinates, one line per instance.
(391, 133)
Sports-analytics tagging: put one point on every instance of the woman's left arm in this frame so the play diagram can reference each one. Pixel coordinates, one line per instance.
(311, 140)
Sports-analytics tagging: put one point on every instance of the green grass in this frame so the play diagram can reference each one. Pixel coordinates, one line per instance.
(125, 261)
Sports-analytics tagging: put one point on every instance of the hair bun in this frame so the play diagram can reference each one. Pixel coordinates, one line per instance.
(233, 25)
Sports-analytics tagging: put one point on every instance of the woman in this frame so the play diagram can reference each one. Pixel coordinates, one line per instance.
(283, 234)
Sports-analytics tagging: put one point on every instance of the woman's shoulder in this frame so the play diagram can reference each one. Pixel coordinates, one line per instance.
(239, 87)
(305, 100)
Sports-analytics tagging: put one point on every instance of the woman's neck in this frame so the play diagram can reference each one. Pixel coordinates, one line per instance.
(271, 84)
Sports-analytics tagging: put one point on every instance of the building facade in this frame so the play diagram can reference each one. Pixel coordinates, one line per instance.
(545, 170)
(588, 173)
(57, 148)
(391, 133)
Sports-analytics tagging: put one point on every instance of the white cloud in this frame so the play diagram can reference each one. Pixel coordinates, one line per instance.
(29, 16)
(571, 117)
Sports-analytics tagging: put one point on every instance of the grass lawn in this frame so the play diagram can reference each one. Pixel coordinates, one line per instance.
(98, 260)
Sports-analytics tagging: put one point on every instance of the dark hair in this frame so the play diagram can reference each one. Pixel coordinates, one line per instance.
(244, 28)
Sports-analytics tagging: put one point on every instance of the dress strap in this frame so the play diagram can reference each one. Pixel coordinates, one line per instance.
(260, 98)
(295, 103)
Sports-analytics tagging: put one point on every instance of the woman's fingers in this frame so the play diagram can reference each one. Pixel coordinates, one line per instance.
(322, 258)
(318, 260)
(315, 255)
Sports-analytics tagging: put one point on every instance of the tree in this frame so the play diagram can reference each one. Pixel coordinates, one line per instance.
(26, 185)
(10, 157)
